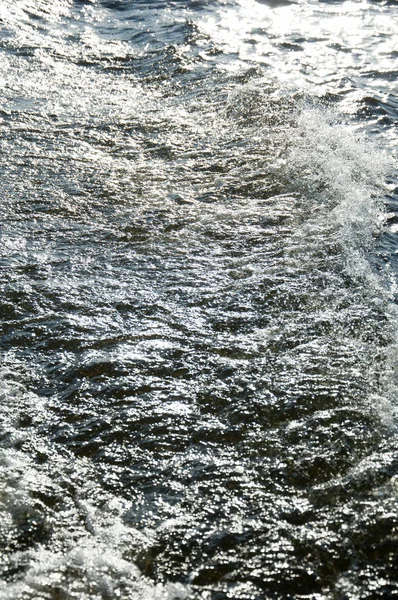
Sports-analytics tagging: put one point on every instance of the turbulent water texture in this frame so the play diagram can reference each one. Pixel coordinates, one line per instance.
(198, 266)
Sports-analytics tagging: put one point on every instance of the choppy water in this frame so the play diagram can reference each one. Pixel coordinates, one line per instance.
(199, 263)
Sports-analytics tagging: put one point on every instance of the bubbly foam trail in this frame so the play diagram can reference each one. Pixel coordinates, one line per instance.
(75, 538)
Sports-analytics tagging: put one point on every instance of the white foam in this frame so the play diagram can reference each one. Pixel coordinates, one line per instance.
(85, 549)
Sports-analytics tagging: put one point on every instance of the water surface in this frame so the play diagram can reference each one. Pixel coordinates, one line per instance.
(198, 311)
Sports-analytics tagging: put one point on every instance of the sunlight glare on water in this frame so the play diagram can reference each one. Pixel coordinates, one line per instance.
(308, 43)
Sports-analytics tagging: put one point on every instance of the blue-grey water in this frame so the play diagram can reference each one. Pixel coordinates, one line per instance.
(199, 286)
